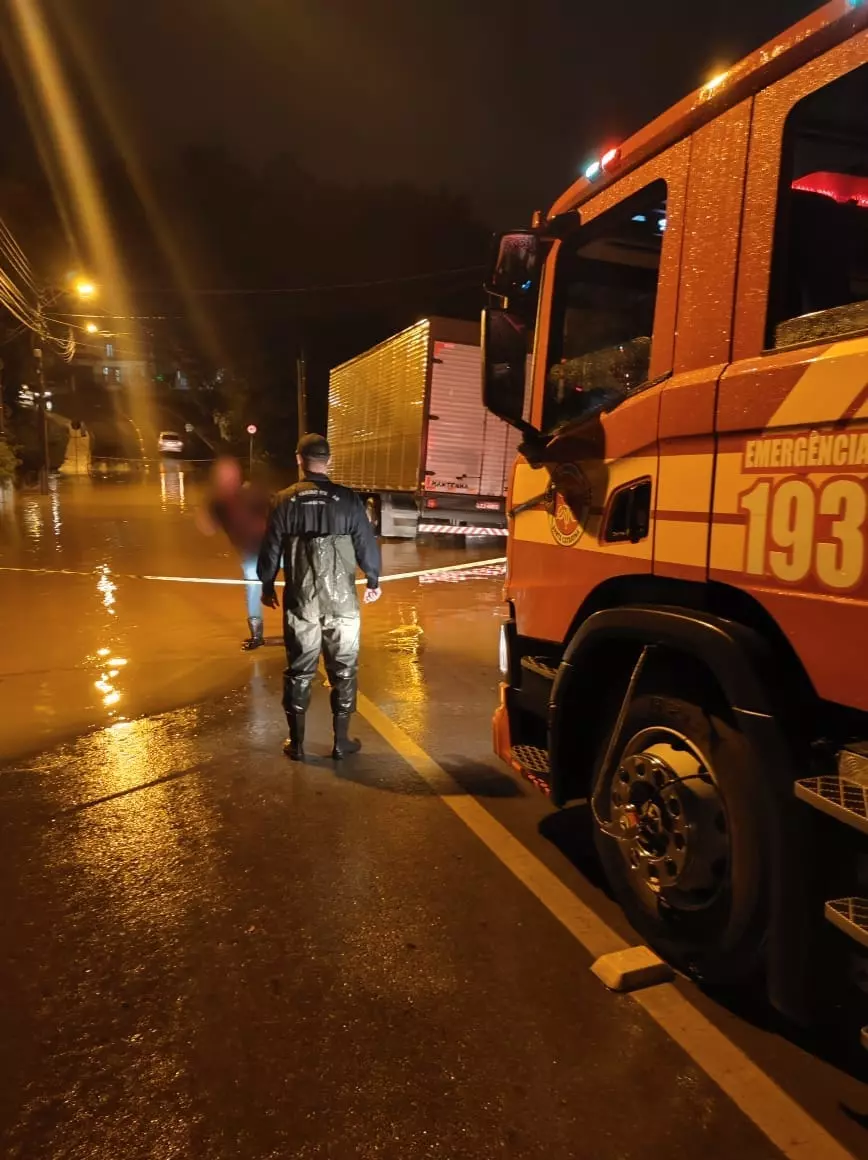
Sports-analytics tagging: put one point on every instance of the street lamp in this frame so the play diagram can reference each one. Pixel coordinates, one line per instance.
(84, 288)
(91, 328)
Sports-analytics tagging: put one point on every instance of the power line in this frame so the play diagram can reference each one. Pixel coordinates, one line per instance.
(286, 290)
(12, 296)
(91, 314)
(17, 302)
(13, 244)
(17, 257)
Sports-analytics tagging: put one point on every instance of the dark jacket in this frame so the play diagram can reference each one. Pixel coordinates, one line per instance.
(242, 517)
(321, 532)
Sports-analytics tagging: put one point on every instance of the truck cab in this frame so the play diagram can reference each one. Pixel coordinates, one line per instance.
(687, 581)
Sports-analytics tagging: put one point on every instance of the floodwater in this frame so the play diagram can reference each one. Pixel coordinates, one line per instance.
(113, 605)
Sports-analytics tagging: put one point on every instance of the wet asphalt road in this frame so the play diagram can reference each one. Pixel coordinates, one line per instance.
(209, 952)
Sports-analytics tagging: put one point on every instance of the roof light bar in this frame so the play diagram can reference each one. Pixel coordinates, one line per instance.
(602, 164)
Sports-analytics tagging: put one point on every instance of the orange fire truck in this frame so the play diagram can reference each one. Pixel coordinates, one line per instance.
(686, 646)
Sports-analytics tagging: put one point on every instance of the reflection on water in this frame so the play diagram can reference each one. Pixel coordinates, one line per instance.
(406, 637)
(405, 643)
(107, 661)
(484, 571)
(109, 669)
(56, 522)
(33, 523)
(107, 588)
(172, 489)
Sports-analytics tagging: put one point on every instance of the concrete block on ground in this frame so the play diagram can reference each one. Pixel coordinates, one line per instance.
(632, 969)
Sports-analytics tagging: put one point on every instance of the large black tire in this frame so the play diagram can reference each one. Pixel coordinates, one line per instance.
(706, 911)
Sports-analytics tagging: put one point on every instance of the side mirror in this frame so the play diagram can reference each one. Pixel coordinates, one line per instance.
(504, 366)
(516, 262)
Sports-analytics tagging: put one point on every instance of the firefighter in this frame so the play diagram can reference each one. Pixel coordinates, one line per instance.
(322, 532)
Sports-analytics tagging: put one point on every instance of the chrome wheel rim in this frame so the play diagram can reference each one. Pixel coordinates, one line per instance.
(669, 820)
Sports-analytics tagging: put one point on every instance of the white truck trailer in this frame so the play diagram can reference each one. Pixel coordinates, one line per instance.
(408, 431)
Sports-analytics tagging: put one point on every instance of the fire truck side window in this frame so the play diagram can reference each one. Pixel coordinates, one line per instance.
(819, 287)
(603, 308)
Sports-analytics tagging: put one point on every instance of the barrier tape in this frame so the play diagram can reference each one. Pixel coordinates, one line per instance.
(137, 462)
(498, 567)
(460, 530)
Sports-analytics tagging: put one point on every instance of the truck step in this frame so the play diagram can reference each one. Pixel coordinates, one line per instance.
(840, 797)
(541, 666)
(532, 763)
(851, 916)
(853, 761)
(537, 678)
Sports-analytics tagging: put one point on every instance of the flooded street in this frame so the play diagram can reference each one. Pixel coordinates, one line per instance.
(114, 604)
(210, 952)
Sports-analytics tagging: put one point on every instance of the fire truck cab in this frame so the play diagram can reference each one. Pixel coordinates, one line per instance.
(686, 647)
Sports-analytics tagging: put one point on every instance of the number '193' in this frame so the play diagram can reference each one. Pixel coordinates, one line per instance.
(783, 537)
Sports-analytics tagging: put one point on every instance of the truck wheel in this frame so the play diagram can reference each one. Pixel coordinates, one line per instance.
(372, 511)
(689, 863)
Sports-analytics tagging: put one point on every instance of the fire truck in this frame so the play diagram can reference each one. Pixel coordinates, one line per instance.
(686, 643)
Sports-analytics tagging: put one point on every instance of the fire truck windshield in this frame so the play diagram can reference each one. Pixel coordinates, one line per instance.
(819, 284)
(603, 308)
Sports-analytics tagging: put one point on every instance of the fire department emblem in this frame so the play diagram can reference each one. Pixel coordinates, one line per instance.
(564, 526)
(566, 529)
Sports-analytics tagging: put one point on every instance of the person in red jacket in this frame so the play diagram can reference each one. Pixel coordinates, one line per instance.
(241, 510)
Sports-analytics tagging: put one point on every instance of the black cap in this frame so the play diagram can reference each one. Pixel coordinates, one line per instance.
(314, 447)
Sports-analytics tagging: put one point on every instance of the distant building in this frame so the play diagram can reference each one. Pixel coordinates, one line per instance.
(106, 359)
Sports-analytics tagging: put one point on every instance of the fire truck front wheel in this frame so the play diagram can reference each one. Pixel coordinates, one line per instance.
(679, 831)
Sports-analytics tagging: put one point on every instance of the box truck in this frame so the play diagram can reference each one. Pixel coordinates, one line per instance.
(408, 431)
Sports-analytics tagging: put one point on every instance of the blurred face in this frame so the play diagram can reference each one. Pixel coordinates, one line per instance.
(226, 475)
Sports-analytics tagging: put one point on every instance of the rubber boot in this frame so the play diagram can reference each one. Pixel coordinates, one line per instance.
(345, 745)
(293, 747)
(256, 639)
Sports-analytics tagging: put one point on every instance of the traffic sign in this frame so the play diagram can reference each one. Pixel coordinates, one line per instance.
(251, 430)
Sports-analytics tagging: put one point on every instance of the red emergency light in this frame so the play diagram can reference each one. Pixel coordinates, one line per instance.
(602, 164)
(609, 158)
(840, 187)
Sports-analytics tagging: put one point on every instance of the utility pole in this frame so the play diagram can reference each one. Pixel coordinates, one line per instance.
(40, 394)
(301, 380)
(43, 421)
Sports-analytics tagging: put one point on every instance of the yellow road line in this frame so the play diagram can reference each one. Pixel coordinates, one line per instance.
(783, 1121)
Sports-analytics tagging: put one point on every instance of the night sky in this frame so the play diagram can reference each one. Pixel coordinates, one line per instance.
(500, 99)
